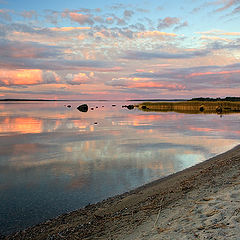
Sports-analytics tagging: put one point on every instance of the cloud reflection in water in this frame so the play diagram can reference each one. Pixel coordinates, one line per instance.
(54, 159)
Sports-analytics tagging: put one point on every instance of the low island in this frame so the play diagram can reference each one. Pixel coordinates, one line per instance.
(196, 105)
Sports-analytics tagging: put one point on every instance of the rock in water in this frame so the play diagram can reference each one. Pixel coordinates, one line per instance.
(130, 107)
(219, 109)
(83, 108)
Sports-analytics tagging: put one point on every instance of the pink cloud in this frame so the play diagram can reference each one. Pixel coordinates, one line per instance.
(214, 38)
(29, 14)
(144, 83)
(213, 73)
(168, 22)
(112, 69)
(81, 18)
(23, 77)
(227, 4)
(68, 29)
(172, 86)
(80, 78)
(4, 13)
(219, 33)
(109, 20)
(158, 34)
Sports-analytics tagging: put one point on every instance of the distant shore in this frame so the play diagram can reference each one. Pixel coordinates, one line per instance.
(46, 100)
(232, 99)
(164, 209)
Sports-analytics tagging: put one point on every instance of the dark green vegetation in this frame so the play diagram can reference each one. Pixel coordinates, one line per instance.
(219, 107)
(231, 99)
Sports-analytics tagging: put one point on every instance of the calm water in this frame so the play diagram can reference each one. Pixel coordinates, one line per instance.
(55, 159)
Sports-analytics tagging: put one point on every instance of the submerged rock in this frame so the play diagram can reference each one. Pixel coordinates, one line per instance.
(83, 108)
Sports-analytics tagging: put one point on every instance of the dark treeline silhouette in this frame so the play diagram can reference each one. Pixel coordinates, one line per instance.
(230, 99)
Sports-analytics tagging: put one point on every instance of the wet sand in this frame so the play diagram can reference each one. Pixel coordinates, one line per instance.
(201, 202)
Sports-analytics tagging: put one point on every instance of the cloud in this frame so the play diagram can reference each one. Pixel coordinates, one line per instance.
(128, 13)
(131, 83)
(20, 55)
(144, 55)
(214, 38)
(91, 19)
(52, 92)
(57, 64)
(120, 21)
(219, 33)
(170, 22)
(68, 29)
(24, 77)
(29, 14)
(27, 77)
(98, 19)
(226, 4)
(197, 78)
(119, 6)
(81, 18)
(158, 34)
(80, 78)
(91, 40)
(167, 22)
(4, 14)
(52, 35)
(218, 43)
(181, 25)
(112, 18)
(52, 16)
(236, 10)
(30, 55)
(14, 49)
(213, 73)
(138, 26)
(219, 5)
(109, 20)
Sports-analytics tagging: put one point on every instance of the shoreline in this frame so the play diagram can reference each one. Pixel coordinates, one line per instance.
(119, 217)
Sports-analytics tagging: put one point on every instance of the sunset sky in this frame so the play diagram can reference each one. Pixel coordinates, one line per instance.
(74, 49)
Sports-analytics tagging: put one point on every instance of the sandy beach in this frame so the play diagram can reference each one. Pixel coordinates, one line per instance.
(201, 202)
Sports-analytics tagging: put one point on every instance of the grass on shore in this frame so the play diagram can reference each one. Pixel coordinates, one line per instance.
(220, 107)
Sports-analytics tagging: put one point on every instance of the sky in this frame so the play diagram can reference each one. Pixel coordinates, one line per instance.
(119, 50)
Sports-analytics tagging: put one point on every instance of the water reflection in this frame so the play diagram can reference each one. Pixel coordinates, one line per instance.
(12, 125)
(55, 159)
